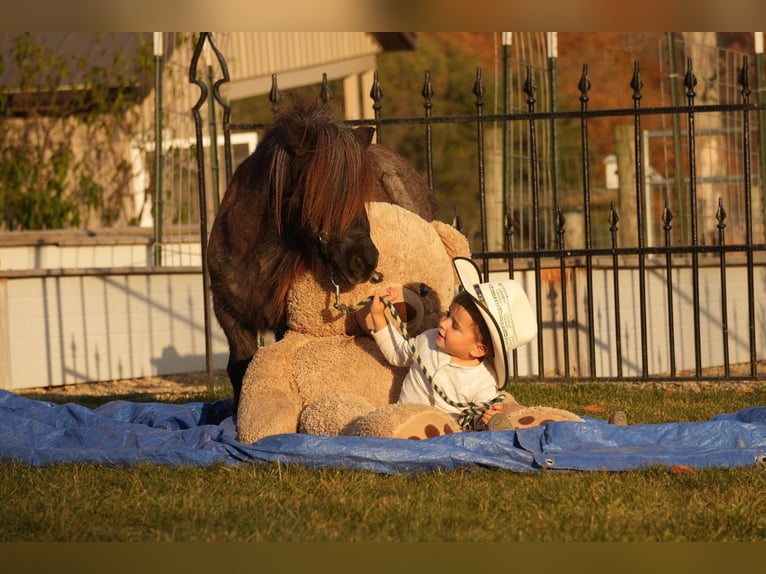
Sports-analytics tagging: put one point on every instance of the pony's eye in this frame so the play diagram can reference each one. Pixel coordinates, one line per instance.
(376, 277)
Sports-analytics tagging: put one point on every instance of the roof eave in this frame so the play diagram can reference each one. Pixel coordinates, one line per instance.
(394, 41)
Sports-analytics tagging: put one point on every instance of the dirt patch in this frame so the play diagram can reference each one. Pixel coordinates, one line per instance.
(159, 388)
(179, 386)
(172, 387)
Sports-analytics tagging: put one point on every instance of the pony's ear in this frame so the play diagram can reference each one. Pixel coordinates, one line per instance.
(364, 133)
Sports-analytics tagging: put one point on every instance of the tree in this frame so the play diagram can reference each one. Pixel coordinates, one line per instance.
(452, 60)
(62, 150)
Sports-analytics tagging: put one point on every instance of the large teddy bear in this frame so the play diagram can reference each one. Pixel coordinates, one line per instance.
(326, 375)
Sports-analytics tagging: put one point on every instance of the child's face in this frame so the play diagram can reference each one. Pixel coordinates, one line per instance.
(458, 335)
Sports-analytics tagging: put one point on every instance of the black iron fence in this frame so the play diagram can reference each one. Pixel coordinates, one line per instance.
(635, 282)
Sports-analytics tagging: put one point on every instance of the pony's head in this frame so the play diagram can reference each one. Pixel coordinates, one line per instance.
(321, 179)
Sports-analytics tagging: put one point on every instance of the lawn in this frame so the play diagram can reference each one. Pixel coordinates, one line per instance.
(266, 502)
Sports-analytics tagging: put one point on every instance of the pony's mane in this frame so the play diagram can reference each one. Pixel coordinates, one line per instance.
(279, 282)
(320, 169)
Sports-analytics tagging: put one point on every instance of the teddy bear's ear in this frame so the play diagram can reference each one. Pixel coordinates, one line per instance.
(455, 243)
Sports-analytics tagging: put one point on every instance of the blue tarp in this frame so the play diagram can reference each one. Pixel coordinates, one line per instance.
(124, 433)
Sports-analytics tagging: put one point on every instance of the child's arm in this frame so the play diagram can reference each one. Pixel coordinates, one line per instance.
(390, 342)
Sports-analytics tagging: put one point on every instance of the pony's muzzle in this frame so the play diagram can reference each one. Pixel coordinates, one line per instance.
(363, 261)
(355, 263)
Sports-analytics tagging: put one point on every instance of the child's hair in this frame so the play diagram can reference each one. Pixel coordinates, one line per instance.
(469, 304)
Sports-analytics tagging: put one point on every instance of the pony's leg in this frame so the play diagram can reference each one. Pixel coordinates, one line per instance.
(243, 342)
(236, 369)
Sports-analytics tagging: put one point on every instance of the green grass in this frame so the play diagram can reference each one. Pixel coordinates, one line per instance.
(271, 502)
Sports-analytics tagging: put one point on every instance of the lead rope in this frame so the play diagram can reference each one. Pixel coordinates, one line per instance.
(470, 411)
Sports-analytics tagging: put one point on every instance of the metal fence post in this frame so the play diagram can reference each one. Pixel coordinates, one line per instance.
(158, 66)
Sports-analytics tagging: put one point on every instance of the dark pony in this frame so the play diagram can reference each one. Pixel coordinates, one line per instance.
(297, 204)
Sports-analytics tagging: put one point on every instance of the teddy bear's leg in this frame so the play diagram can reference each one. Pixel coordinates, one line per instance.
(522, 416)
(534, 416)
(510, 404)
(331, 414)
(410, 421)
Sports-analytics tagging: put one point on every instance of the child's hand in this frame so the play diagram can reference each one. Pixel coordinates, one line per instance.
(378, 308)
(490, 412)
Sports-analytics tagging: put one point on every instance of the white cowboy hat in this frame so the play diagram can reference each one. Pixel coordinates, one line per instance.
(506, 310)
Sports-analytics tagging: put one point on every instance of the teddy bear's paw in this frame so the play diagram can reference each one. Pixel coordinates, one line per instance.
(426, 425)
(404, 421)
(332, 413)
(535, 416)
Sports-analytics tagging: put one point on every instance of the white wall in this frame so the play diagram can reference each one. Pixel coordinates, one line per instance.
(79, 254)
(64, 321)
(65, 329)
(657, 322)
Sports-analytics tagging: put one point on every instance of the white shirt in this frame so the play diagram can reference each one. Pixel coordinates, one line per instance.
(462, 384)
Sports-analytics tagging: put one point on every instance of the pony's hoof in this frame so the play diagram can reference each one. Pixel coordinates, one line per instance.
(499, 422)
(618, 418)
